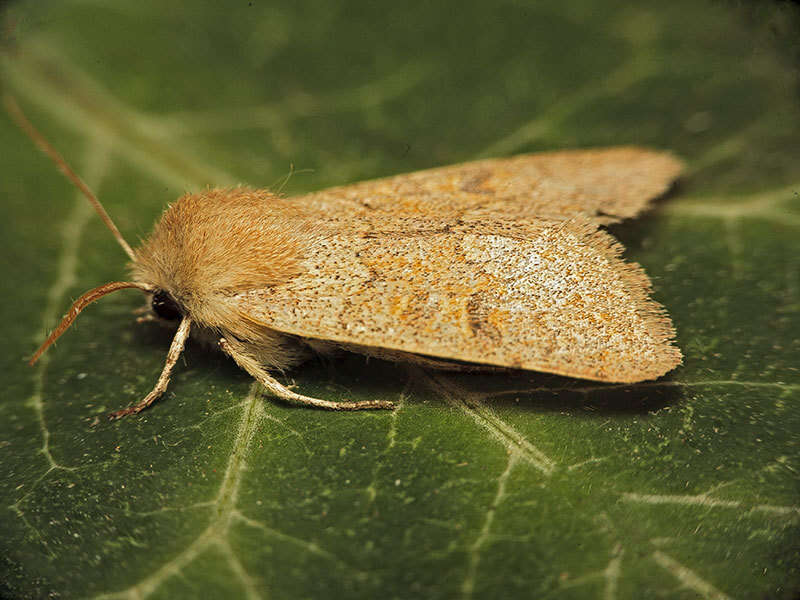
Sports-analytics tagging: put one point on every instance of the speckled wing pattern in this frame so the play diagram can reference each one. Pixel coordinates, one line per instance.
(496, 262)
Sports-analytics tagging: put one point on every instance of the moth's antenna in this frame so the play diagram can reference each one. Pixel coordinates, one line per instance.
(19, 117)
(79, 305)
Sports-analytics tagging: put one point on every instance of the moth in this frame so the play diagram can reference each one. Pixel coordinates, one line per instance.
(497, 262)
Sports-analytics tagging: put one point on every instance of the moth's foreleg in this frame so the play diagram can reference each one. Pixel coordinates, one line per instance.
(175, 350)
(250, 364)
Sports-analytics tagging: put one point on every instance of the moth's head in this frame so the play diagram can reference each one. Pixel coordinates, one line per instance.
(210, 247)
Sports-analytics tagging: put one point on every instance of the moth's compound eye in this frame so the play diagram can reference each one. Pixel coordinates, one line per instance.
(165, 307)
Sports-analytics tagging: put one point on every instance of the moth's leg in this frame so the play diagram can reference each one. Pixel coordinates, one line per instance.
(175, 350)
(252, 366)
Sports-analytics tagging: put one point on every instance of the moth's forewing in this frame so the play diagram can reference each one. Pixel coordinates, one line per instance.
(550, 296)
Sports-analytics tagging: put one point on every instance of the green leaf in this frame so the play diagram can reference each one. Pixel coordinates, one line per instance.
(522, 485)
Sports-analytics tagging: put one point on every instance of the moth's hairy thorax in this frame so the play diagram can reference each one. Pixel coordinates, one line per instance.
(209, 247)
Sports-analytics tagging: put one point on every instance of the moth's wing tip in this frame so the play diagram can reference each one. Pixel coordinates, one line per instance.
(665, 163)
(674, 166)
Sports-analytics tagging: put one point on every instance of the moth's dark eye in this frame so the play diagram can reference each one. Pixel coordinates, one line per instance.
(165, 307)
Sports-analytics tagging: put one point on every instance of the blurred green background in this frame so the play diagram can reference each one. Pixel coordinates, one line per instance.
(514, 486)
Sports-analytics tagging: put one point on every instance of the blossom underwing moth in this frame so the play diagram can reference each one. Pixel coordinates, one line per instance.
(498, 263)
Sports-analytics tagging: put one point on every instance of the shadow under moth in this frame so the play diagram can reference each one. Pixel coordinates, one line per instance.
(497, 262)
